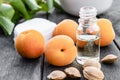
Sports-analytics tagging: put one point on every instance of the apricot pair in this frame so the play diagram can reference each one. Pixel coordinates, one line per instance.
(68, 27)
(59, 51)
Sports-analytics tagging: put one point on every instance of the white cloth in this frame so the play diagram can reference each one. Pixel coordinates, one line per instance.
(45, 27)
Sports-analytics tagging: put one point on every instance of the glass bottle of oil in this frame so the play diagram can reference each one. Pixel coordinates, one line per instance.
(88, 35)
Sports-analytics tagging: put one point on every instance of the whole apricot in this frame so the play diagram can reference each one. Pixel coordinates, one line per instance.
(66, 27)
(30, 44)
(60, 50)
(107, 34)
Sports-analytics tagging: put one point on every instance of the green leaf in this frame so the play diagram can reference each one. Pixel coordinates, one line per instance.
(32, 4)
(44, 6)
(57, 5)
(5, 1)
(17, 16)
(6, 25)
(50, 5)
(0, 2)
(6, 10)
(19, 5)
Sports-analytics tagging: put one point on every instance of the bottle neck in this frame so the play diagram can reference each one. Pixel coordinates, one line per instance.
(87, 12)
(87, 16)
(87, 22)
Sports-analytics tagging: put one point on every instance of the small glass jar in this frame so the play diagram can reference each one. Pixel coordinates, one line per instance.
(88, 35)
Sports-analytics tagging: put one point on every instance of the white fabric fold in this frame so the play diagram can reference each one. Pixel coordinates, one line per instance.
(45, 27)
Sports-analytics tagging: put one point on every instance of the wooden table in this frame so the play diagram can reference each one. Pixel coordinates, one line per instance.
(14, 67)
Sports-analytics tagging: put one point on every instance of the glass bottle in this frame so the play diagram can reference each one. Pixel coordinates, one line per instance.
(87, 34)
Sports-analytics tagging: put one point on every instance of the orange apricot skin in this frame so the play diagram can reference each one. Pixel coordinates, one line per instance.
(66, 27)
(30, 44)
(60, 50)
(81, 44)
(107, 34)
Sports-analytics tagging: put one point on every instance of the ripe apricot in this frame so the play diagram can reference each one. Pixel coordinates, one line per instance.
(60, 50)
(107, 34)
(30, 44)
(66, 27)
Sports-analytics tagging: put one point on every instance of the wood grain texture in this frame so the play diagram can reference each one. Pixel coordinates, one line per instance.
(113, 15)
(110, 71)
(13, 66)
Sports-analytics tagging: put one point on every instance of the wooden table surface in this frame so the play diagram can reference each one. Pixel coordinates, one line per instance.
(14, 67)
